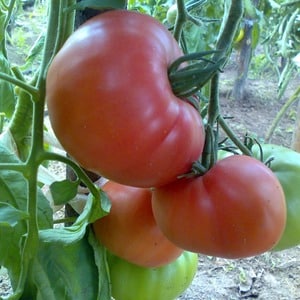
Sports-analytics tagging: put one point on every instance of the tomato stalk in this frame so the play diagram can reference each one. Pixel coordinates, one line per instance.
(183, 15)
(180, 19)
(9, 9)
(188, 80)
(209, 155)
(240, 145)
(225, 40)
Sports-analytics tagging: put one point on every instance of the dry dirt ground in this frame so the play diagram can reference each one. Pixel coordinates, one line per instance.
(271, 276)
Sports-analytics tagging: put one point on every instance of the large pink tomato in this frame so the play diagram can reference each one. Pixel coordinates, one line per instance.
(111, 104)
(237, 209)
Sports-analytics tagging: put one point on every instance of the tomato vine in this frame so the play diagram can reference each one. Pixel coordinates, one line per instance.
(188, 75)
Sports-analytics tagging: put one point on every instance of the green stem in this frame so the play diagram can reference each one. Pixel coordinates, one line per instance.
(6, 22)
(180, 19)
(18, 167)
(78, 171)
(230, 26)
(21, 124)
(281, 113)
(233, 137)
(188, 80)
(214, 103)
(37, 148)
(209, 155)
(2, 118)
(51, 37)
(31, 240)
(66, 23)
(23, 85)
(65, 220)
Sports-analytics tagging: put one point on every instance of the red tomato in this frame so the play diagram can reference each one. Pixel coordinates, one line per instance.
(111, 104)
(237, 209)
(130, 231)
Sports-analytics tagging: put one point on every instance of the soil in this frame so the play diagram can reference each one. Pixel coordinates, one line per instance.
(270, 276)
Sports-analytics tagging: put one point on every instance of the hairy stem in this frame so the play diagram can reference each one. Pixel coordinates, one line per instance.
(180, 19)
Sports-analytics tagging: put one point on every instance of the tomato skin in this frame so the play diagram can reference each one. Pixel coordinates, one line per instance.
(164, 283)
(237, 209)
(130, 231)
(286, 167)
(111, 105)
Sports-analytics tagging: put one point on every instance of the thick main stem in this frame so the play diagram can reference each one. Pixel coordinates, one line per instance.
(37, 148)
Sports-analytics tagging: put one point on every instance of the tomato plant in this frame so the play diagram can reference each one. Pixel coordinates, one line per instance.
(164, 283)
(29, 239)
(285, 163)
(236, 209)
(110, 83)
(130, 231)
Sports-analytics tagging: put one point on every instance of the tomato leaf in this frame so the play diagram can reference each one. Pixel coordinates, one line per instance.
(10, 216)
(67, 235)
(13, 194)
(98, 4)
(100, 260)
(7, 96)
(60, 249)
(66, 272)
(63, 191)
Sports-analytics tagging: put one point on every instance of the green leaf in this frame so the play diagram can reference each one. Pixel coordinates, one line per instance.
(250, 10)
(35, 50)
(98, 4)
(101, 263)
(93, 210)
(7, 96)
(63, 191)
(13, 193)
(255, 34)
(68, 272)
(10, 216)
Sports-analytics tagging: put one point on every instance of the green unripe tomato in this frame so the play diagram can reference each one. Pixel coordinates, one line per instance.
(132, 282)
(286, 166)
(172, 14)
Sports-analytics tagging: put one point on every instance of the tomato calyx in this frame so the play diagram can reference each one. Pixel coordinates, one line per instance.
(188, 80)
(197, 169)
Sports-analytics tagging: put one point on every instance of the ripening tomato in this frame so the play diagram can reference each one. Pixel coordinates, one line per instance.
(237, 209)
(130, 231)
(111, 104)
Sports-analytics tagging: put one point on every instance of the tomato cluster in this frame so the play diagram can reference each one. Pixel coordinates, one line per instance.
(112, 108)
